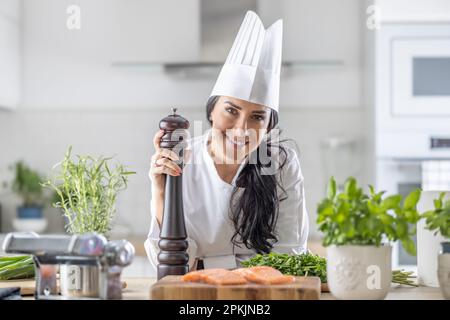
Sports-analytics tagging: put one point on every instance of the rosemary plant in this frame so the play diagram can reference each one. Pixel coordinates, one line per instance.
(86, 192)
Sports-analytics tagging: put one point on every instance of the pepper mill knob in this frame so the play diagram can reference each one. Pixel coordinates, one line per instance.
(174, 127)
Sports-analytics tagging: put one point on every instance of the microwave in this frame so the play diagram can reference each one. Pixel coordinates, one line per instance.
(420, 69)
(411, 108)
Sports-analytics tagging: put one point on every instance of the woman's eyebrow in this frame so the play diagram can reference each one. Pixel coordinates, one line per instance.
(240, 108)
(233, 105)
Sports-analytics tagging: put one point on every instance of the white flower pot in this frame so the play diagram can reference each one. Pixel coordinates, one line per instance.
(428, 244)
(359, 272)
(444, 274)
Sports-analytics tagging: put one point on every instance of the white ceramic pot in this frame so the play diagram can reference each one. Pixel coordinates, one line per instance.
(428, 244)
(359, 272)
(444, 274)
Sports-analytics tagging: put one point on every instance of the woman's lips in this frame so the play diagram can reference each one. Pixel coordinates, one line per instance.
(236, 143)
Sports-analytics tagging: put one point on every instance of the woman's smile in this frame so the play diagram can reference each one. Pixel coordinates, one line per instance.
(236, 143)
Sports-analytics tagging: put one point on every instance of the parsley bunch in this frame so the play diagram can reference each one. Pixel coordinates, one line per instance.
(305, 264)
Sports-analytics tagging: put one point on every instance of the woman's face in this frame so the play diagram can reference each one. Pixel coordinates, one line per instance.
(238, 127)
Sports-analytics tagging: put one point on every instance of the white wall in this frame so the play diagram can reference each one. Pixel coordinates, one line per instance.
(72, 95)
(41, 137)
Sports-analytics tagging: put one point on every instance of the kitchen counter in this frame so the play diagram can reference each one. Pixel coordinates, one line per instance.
(139, 289)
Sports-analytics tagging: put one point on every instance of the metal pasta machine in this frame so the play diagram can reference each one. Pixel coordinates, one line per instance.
(90, 266)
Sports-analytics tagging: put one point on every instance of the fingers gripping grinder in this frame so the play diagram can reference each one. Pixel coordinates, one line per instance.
(173, 258)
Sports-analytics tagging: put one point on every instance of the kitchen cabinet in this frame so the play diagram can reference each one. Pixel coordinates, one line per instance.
(116, 31)
(322, 43)
(414, 10)
(10, 9)
(153, 31)
(9, 54)
(316, 31)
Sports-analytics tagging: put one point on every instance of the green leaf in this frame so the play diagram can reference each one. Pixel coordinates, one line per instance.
(409, 246)
(437, 203)
(412, 199)
(373, 207)
(350, 187)
(372, 190)
(386, 219)
(402, 229)
(331, 191)
(391, 202)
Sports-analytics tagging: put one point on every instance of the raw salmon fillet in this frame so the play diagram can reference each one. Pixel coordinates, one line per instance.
(214, 276)
(264, 275)
(199, 275)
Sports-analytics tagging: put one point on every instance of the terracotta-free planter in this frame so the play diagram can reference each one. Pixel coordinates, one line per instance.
(444, 270)
(359, 272)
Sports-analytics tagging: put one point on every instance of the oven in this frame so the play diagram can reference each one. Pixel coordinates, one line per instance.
(412, 112)
(420, 75)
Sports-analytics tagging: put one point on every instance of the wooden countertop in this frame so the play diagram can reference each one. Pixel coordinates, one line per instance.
(139, 289)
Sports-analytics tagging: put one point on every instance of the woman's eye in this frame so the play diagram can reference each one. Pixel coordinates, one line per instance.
(231, 110)
(258, 118)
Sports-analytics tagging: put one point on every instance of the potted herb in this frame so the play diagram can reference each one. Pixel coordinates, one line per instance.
(86, 189)
(438, 221)
(27, 185)
(357, 230)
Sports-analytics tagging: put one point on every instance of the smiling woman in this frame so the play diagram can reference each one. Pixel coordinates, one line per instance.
(243, 125)
(243, 190)
(238, 127)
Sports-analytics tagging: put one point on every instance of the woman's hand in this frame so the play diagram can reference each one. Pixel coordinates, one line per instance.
(162, 162)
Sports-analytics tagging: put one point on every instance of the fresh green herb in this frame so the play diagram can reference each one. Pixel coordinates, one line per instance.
(353, 217)
(27, 185)
(404, 277)
(87, 191)
(306, 264)
(438, 220)
(19, 267)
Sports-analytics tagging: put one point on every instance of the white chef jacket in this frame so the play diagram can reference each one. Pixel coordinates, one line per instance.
(206, 203)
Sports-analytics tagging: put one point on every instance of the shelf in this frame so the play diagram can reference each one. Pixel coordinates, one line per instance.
(192, 70)
(195, 65)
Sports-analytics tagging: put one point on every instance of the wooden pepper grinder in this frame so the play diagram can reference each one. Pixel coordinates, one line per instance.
(173, 258)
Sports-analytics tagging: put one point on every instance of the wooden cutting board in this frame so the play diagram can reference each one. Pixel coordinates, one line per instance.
(173, 288)
(26, 286)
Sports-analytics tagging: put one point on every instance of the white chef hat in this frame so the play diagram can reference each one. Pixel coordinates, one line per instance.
(252, 69)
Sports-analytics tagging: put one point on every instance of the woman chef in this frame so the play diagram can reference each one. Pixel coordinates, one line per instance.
(234, 204)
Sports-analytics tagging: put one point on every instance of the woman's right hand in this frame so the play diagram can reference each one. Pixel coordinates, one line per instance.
(162, 162)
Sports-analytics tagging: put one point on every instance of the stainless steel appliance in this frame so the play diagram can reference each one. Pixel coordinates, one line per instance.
(412, 107)
(90, 265)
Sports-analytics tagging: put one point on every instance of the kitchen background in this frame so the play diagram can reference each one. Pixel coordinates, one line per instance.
(103, 88)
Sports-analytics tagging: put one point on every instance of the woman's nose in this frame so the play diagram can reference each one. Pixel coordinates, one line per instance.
(240, 127)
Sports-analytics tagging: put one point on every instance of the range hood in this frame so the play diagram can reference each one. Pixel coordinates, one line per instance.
(219, 23)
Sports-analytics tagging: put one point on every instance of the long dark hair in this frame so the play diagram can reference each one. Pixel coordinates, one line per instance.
(255, 213)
